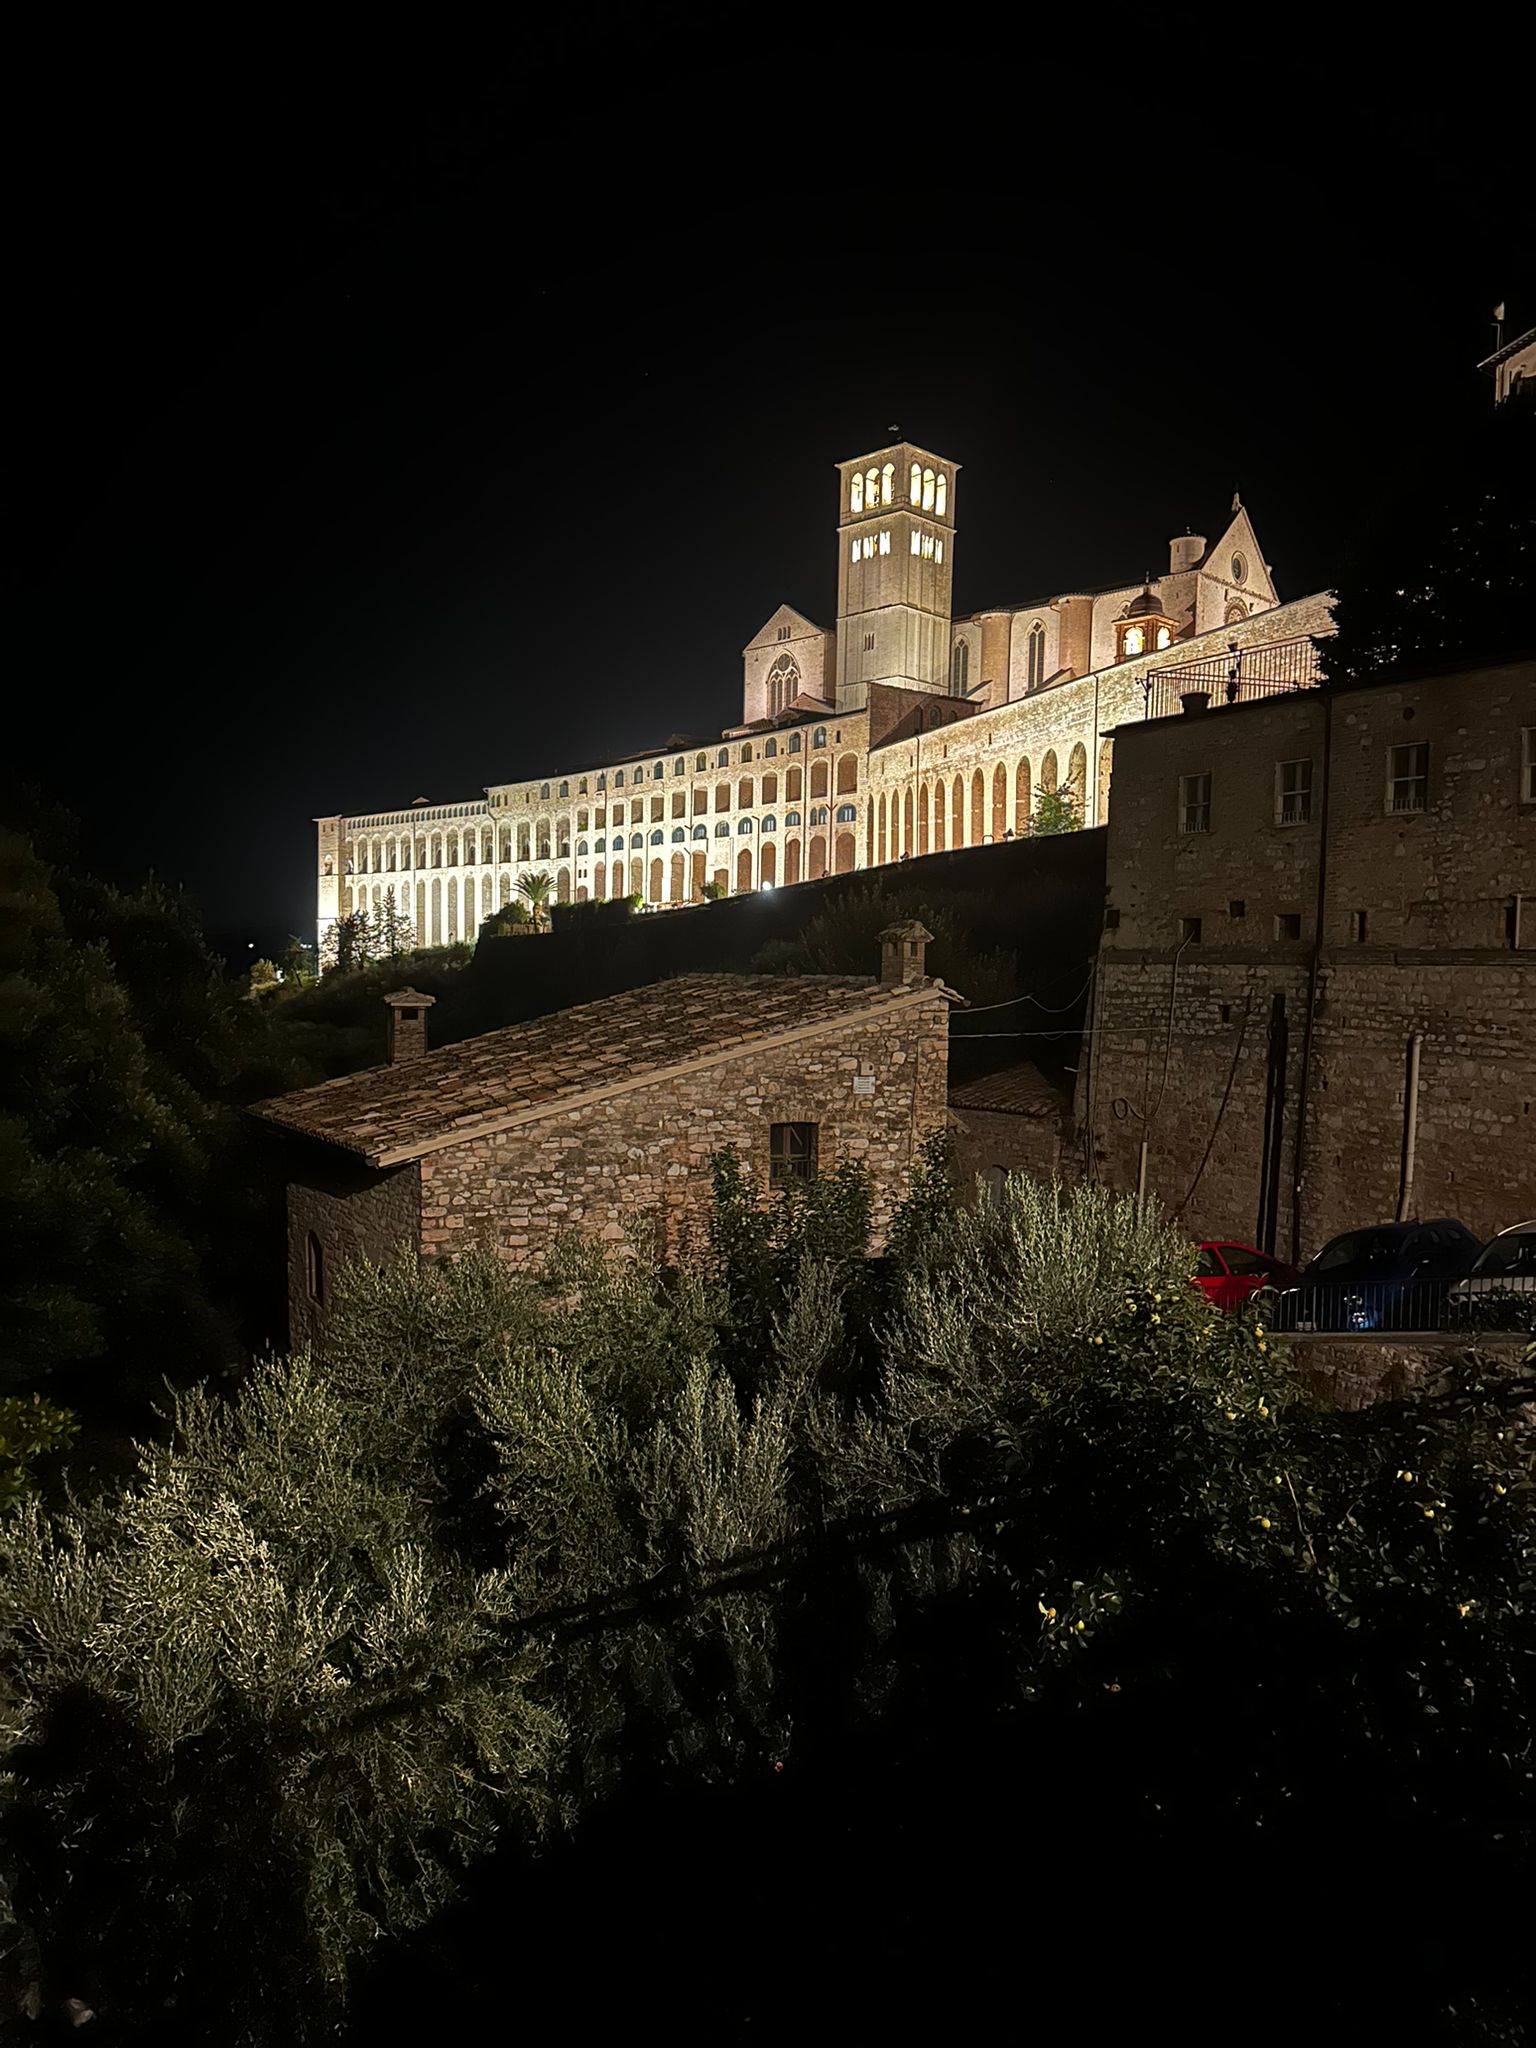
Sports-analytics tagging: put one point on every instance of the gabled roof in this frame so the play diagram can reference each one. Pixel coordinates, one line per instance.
(528, 1071)
(1019, 1090)
(786, 615)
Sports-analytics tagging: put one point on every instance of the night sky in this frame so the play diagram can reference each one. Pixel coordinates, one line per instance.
(378, 456)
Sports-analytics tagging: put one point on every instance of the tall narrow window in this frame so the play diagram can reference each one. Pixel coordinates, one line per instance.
(314, 1269)
(915, 488)
(1408, 776)
(960, 674)
(872, 489)
(927, 490)
(1036, 655)
(1194, 803)
(853, 551)
(885, 542)
(917, 541)
(941, 494)
(856, 492)
(791, 1153)
(888, 484)
(1293, 792)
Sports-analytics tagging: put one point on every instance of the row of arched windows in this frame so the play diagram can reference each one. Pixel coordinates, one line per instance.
(944, 812)
(868, 488)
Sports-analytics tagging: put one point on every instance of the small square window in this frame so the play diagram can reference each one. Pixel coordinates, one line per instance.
(1358, 926)
(1189, 931)
(1288, 924)
(1237, 907)
(1194, 803)
(1408, 776)
(791, 1153)
(1112, 919)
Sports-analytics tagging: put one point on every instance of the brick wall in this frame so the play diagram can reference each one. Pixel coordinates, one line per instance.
(640, 1161)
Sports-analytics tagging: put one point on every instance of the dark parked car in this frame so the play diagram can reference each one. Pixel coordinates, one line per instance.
(1391, 1276)
(1228, 1272)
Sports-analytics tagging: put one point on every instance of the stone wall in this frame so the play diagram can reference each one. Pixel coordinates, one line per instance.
(1416, 944)
(639, 1163)
(355, 1213)
(986, 1141)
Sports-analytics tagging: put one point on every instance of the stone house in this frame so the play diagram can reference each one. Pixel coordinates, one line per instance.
(603, 1118)
(1014, 1121)
(1315, 1001)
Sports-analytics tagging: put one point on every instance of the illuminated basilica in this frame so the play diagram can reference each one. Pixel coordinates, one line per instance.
(900, 730)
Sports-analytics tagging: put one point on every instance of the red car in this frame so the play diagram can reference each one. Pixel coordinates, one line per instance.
(1229, 1272)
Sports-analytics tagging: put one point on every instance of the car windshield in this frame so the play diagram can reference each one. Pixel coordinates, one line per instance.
(1514, 1252)
(1361, 1247)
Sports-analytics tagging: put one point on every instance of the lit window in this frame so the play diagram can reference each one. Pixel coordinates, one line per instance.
(1135, 640)
(872, 489)
(821, 736)
(847, 813)
(941, 494)
(927, 490)
(791, 1153)
(938, 551)
(1408, 776)
(791, 817)
(885, 543)
(917, 541)
(853, 553)
(1293, 792)
(856, 492)
(770, 823)
(915, 489)
(1194, 803)
(1164, 636)
(745, 825)
(819, 814)
(888, 483)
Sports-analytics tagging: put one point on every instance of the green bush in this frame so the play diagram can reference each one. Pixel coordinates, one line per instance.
(522, 1535)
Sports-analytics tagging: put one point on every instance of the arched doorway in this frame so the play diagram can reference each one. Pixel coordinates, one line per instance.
(744, 871)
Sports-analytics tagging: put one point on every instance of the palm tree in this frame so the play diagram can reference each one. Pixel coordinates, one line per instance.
(537, 889)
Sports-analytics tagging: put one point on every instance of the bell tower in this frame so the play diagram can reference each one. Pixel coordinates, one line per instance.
(896, 548)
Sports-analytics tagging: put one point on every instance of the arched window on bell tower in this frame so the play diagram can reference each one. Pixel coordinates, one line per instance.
(856, 492)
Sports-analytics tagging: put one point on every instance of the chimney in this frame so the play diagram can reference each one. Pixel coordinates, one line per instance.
(1185, 552)
(901, 952)
(408, 1009)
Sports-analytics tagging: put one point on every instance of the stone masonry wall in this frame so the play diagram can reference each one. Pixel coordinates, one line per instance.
(985, 1139)
(355, 1213)
(638, 1163)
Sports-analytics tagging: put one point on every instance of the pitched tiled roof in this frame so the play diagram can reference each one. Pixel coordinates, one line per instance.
(525, 1071)
(1020, 1090)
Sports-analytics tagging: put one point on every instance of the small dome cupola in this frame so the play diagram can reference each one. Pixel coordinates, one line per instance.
(1144, 626)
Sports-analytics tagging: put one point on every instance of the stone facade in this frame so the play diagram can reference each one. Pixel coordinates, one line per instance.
(794, 791)
(641, 1168)
(1319, 939)
(1010, 1122)
(603, 1119)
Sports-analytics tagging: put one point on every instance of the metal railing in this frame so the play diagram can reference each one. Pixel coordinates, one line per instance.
(1421, 1306)
(1271, 669)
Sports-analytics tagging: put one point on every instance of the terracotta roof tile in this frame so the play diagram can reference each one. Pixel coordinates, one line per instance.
(390, 1113)
(1020, 1090)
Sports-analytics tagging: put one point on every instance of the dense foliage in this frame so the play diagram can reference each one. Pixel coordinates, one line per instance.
(1441, 571)
(523, 1540)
